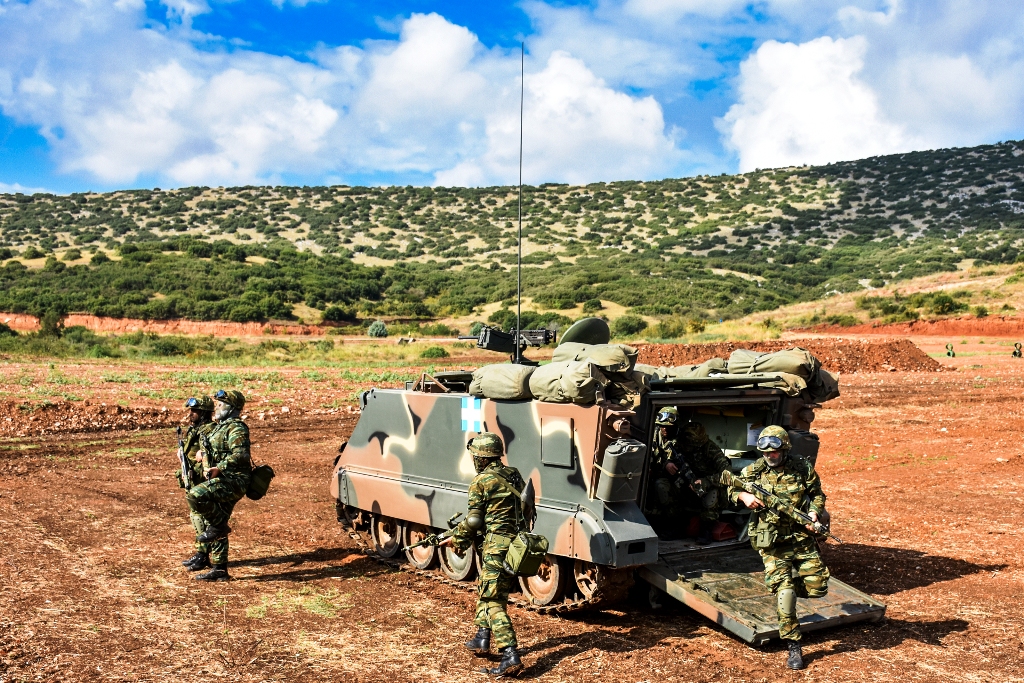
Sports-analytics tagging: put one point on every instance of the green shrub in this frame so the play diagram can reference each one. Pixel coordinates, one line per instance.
(6, 331)
(475, 328)
(31, 252)
(592, 306)
(842, 320)
(628, 326)
(99, 258)
(434, 352)
(980, 311)
(72, 255)
(377, 329)
(337, 314)
(669, 328)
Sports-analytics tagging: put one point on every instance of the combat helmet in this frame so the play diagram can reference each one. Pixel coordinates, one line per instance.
(203, 403)
(232, 397)
(773, 438)
(667, 417)
(694, 433)
(485, 447)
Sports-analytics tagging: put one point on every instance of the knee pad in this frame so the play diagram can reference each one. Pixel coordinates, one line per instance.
(787, 601)
(815, 586)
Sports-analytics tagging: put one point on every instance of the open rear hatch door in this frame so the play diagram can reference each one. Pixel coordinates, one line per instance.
(726, 585)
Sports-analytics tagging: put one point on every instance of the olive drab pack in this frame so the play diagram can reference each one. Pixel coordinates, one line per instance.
(527, 550)
(259, 482)
(565, 382)
(502, 381)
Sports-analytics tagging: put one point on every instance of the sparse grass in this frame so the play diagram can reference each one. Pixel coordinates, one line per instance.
(132, 377)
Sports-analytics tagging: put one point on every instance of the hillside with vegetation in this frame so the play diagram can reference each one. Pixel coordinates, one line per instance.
(680, 251)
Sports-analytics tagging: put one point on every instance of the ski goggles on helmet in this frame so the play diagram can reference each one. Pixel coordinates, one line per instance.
(666, 417)
(221, 396)
(192, 403)
(769, 443)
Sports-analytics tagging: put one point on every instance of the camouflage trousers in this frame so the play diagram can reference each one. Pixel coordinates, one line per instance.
(674, 499)
(797, 565)
(211, 504)
(492, 594)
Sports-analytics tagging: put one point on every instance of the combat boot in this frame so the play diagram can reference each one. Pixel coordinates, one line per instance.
(510, 664)
(218, 573)
(480, 644)
(795, 660)
(214, 533)
(197, 562)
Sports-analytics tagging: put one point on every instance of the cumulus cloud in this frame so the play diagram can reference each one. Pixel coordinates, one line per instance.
(118, 100)
(576, 129)
(806, 104)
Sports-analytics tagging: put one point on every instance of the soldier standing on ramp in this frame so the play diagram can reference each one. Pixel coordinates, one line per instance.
(792, 564)
(200, 425)
(495, 508)
(228, 470)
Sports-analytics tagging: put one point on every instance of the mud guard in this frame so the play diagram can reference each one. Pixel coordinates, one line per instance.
(727, 587)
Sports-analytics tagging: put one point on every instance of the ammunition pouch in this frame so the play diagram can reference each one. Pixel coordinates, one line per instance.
(525, 554)
(259, 482)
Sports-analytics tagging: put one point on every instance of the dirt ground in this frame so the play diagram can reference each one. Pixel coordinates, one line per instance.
(923, 472)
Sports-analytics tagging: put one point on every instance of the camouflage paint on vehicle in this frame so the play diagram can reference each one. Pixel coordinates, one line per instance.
(408, 459)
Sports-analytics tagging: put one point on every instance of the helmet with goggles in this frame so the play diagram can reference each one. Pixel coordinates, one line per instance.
(773, 438)
(667, 417)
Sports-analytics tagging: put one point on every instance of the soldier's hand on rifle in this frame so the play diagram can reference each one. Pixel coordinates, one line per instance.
(446, 542)
(214, 472)
(750, 500)
(822, 518)
(672, 469)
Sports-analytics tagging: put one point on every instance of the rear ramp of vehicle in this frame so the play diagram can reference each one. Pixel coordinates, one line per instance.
(726, 585)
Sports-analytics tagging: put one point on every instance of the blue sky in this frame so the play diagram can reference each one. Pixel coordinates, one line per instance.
(141, 93)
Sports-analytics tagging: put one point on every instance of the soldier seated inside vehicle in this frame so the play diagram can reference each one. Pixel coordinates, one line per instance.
(686, 467)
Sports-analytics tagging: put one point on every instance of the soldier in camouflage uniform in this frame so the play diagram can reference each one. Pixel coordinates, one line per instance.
(792, 564)
(686, 469)
(227, 469)
(495, 509)
(700, 464)
(200, 425)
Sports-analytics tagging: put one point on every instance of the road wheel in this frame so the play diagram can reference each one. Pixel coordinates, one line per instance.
(548, 586)
(455, 567)
(386, 535)
(423, 557)
(588, 578)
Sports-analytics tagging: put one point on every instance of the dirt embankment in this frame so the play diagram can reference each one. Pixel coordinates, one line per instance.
(836, 355)
(28, 323)
(993, 326)
(62, 417)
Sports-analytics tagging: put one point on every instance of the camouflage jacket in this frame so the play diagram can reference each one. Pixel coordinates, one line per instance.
(795, 482)
(704, 459)
(193, 438)
(229, 452)
(661, 450)
(502, 509)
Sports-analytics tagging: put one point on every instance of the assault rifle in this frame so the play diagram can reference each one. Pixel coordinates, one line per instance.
(186, 469)
(436, 539)
(777, 505)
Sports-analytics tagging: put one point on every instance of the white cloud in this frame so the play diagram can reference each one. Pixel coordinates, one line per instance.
(11, 188)
(806, 104)
(576, 129)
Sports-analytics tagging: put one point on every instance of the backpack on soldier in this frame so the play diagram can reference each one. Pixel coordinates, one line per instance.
(259, 482)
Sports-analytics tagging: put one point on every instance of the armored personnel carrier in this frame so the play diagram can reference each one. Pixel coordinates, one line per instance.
(405, 471)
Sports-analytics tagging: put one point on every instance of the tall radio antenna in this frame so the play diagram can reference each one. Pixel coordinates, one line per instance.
(519, 258)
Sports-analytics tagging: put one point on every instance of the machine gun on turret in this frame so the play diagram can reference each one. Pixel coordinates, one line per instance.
(493, 339)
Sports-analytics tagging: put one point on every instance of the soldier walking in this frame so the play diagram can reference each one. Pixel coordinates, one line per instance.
(200, 425)
(495, 508)
(792, 563)
(228, 470)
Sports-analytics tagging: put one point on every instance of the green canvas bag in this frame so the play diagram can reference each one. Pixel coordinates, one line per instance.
(259, 483)
(525, 554)
(527, 551)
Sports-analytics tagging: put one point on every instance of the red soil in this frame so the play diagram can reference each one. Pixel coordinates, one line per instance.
(994, 326)
(836, 355)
